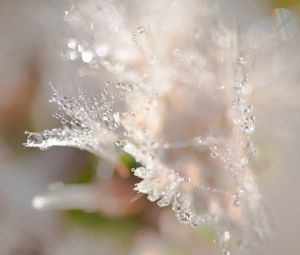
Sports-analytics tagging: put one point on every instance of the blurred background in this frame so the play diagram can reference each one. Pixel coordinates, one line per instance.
(30, 39)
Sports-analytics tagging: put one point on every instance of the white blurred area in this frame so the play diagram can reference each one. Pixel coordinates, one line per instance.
(32, 34)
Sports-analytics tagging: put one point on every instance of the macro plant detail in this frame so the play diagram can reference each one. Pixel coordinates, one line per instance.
(176, 93)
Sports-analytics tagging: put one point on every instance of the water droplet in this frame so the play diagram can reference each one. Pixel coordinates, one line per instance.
(118, 143)
(225, 251)
(184, 216)
(248, 109)
(199, 140)
(34, 139)
(244, 161)
(225, 237)
(140, 172)
(102, 50)
(81, 47)
(87, 56)
(39, 202)
(194, 224)
(241, 61)
(153, 196)
(130, 148)
(72, 44)
(73, 55)
(141, 29)
(164, 201)
(176, 207)
(43, 147)
(213, 154)
(177, 53)
(248, 125)
(237, 197)
(116, 117)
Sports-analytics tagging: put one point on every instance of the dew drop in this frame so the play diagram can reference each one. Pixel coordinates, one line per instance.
(140, 172)
(72, 44)
(225, 237)
(116, 117)
(39, 202)
(241, 61)
(176, 207)
(141, 29)
(118, 143)
(225, 251)
(102, 50)
(87, 56)
(73, 55)
(164, 201)
(177, 53)
(43, 147)
(248, 125)
(199, 140)
(184, 216)
(81, 47)
(214, 154)
(130, 148)
(34, 138)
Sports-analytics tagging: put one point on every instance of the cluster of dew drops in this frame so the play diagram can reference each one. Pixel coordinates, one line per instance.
(80, 115)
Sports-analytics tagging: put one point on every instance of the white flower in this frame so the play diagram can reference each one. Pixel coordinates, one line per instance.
(183, 89)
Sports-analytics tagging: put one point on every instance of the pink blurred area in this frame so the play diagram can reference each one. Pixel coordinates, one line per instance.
(31, 34)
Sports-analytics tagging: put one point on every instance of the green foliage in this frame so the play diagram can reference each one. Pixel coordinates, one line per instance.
(129, 161)
(207, 233)
(88, 171)
(94, 221)
(285, 3)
